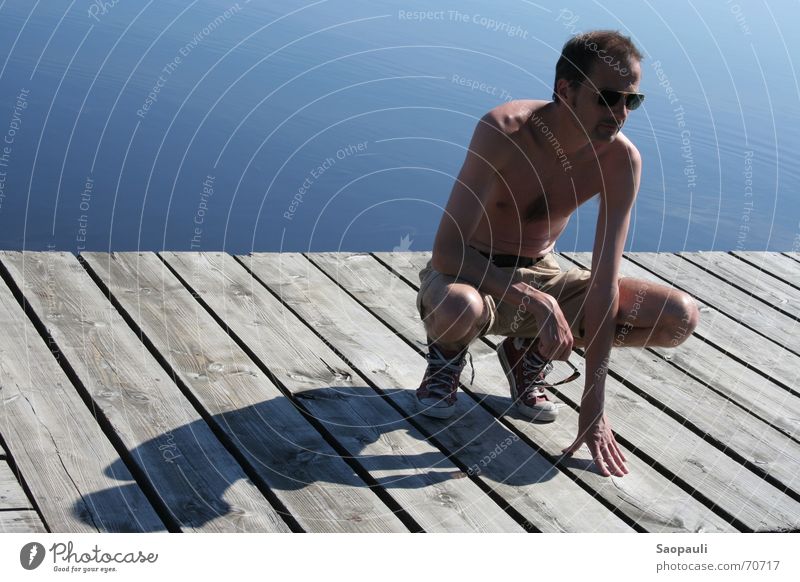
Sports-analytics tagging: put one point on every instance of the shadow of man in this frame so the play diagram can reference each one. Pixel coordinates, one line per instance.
(365, 456)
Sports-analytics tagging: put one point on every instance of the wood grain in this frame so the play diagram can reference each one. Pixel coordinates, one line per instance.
(282, 449)
(199, 485)
(412, 471)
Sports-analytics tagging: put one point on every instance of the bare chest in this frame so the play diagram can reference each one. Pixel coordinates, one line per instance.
(536, 192)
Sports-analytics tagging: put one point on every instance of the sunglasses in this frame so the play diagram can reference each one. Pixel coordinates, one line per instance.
(609, 98)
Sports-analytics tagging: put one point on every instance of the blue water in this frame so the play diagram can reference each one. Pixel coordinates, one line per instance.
(340, 125)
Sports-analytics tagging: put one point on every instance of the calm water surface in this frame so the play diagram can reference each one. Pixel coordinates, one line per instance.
(340, 125)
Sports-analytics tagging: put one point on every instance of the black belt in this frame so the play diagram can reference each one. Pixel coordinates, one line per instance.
(510, 260)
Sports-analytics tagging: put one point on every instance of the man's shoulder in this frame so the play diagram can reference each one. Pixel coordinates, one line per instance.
(511, 116)
(623, 150)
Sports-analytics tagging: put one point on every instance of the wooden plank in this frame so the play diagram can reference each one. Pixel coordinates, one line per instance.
(21, 521)
(755, 393)
(795, 256)
(416, 474)
(766, 449)
(775, 264)
(11, 494)
(16, 511)
(198, 484)
(738, 305)
(649, 499)
(282, 449)
(739, 341)
(72, 470)
(521, 475)
(719, 478)
(753, 281)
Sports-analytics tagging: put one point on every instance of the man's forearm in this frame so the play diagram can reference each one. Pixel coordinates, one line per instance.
(600, 324)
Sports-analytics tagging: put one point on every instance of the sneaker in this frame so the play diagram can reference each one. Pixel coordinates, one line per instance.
(436, 396)
(526, 372)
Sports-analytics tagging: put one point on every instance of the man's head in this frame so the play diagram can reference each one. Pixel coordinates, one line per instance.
(593, 62)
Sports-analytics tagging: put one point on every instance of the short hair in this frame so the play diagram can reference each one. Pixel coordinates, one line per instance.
(581, 52)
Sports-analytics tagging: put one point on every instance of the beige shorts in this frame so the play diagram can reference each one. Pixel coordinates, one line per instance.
(568, 287)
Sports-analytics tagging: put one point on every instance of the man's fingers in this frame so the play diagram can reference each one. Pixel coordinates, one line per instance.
(608, 458)
(618, 458)
(619, 451)
(599, 461)
(564, 352)
(546, 349)
(613, 463)
(573, 447)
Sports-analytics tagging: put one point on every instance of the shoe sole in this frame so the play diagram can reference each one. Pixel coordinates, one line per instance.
(434, 412)
(532, 413)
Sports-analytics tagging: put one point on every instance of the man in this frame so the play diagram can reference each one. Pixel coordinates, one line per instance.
(530, 164)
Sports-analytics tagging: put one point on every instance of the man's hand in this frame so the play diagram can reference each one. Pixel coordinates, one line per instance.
(555, 336)
(595, 430)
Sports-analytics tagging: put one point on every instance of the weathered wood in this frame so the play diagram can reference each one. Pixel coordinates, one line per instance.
(775, 264)
(795, 256)
(523, 477)
(21, 521)
(417, 475)
(283, 450)
(345, 342)
(648, 498)
(740, 493)
(65, 458)
(766, 449)
(752, 439)
(756, 394)
(11, 494)
(753, 281)
(774, 326)
(199, 484)
(16, 511)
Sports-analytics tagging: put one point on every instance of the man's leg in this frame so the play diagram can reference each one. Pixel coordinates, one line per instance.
(455, 314)
(651, 314)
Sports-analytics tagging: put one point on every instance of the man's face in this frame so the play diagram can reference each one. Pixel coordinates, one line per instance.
(601, 122)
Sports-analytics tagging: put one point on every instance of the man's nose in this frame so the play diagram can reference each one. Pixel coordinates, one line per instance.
(620, 111)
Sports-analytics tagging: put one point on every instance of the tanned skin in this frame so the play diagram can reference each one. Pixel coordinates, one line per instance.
(512, 193)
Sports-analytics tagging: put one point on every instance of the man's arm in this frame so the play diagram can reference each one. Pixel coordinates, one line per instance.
(621, 183)
(489, 151)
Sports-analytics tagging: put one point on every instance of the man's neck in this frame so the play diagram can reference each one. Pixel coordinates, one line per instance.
(569, 137)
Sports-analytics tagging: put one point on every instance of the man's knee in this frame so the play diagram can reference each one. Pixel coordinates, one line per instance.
(459, 311)
(683, 316)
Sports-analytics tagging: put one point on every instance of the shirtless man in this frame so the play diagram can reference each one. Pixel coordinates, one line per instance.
(530, 164)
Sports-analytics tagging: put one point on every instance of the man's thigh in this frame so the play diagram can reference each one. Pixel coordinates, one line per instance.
(644, 303)
(569, 289)
(435, 287)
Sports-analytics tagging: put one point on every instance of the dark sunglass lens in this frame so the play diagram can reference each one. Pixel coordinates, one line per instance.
(609, 98)
(633, 101)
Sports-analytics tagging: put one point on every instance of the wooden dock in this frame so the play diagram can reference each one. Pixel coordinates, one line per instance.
(275, 393)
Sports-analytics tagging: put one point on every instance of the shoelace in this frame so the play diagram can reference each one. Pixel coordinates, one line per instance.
(444, 369)
(534, 372)
(533, 366)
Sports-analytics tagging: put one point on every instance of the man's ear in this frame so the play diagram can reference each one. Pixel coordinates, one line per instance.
(564, 91)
